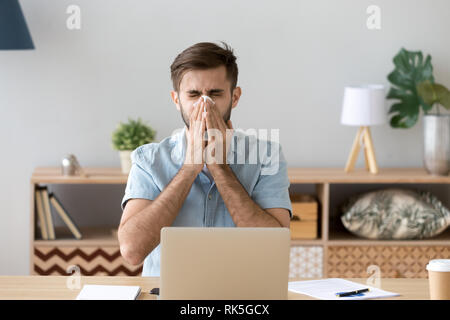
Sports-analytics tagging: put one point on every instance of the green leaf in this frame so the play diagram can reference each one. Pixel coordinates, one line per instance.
(399, 121)
(130, 135)
(433, 93)
(410, 70)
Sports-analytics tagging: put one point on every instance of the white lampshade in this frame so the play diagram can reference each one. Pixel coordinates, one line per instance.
(364, 105)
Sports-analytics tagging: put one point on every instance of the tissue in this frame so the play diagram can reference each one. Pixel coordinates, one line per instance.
(204, 99)
(204, 108)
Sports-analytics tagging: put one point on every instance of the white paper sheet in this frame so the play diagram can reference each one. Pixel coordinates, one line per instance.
(103, 292)
(326, 289)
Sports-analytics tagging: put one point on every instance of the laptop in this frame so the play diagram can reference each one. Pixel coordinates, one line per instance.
(224, 263)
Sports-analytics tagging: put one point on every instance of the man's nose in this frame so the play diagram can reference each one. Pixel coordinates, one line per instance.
(206, 99)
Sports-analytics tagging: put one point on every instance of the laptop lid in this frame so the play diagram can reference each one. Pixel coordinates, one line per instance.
(224, 263)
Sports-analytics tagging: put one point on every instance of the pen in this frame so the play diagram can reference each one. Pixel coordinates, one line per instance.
(351, 293)
(155, 291)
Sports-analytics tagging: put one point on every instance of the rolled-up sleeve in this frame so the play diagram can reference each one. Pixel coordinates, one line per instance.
(140, 183)
(272, 187)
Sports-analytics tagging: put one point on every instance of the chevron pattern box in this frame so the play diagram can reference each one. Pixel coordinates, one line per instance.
(91, 261)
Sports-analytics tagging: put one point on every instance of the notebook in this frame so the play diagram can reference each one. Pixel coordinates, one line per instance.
(106, 292)
(326, 289)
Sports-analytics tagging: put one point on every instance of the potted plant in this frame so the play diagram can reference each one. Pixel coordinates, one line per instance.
(127, 137)
(436, 128)
(414, 90)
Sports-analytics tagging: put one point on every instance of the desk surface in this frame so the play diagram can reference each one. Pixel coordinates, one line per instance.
(55, 287)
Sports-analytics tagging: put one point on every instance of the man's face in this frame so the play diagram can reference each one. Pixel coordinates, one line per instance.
(210, 82)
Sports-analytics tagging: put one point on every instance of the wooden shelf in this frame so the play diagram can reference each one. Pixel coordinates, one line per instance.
(105, 237)
(360, 175)
(296, 175)
(94, 176)
(91, 237)
(345, 238)
(307, 242)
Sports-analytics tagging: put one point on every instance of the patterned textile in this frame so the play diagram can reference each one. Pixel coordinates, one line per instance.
(395, 214)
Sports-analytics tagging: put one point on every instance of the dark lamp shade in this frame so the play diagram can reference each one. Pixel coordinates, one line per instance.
(14, 34)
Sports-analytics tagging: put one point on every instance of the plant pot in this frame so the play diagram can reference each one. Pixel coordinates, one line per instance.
(125, 160)
(437, 144)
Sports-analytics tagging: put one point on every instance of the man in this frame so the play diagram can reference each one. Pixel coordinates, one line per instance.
(185, 180)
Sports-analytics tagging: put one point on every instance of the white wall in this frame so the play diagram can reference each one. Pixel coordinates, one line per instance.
(294, 58)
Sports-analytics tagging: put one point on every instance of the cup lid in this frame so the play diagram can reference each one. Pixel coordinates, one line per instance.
(439, 265)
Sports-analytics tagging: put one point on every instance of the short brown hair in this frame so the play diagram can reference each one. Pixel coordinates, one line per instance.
(201, 56)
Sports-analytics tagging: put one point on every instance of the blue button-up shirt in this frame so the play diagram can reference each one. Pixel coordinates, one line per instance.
(263, 176)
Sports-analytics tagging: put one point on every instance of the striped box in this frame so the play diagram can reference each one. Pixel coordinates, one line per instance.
(91, 261)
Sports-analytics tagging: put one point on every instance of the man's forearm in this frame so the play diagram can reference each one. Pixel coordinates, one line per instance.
(243, 210)
(141, 232)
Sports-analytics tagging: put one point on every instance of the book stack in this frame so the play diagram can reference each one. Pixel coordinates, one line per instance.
(43, 200)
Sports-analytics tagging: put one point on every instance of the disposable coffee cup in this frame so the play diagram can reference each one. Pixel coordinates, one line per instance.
(439, 279)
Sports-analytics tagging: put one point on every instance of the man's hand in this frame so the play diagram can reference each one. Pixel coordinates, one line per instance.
(194, 138)
(219, 138)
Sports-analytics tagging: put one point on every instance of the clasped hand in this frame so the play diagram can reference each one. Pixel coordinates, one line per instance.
(212, 150)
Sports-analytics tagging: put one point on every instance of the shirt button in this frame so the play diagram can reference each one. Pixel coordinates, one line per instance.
(209, 197)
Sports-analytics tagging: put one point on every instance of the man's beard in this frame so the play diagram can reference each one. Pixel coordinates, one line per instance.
(185, 117)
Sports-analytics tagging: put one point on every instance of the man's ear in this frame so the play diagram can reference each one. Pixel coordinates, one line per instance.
(175, 99)
(236, 95)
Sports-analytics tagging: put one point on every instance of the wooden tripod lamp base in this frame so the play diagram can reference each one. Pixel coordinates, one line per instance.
(369, 151)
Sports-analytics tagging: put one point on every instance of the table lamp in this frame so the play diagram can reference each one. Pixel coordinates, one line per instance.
(363, 106)
(14, 34)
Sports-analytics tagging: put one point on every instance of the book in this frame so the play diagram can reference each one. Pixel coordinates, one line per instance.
(108, 292)
(48, 214)
(65, 216)
(40, 214)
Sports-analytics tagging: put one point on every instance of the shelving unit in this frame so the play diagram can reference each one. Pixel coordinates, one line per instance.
(342, 254)
(346, 255)
(97, 253)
